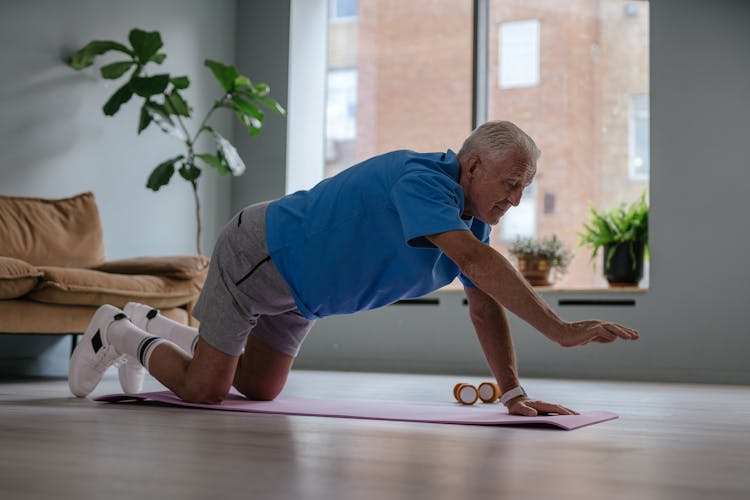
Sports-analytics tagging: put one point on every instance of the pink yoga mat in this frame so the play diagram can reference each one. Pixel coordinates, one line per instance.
(443, 413)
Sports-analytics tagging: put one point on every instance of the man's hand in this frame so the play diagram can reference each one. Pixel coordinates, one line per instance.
(583, 332)
(532, 408)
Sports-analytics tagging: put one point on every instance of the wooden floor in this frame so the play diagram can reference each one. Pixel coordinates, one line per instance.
(671, 442)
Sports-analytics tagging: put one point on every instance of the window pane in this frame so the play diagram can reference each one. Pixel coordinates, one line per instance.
(519, 54)
(639, 137)
(520, 222)
(587, 111)
(398, 80)
(342, 9)
(341, 110)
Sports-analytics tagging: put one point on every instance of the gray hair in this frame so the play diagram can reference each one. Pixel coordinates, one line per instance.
(496, 139)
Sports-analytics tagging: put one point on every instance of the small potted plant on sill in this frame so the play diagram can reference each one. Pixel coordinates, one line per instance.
(622, 233)
(542, 261)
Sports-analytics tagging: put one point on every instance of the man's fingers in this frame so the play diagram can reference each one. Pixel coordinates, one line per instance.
(621, 331)
(533, 408)
(603, 335)
(522, 408)
(604, 339)
(543, 407)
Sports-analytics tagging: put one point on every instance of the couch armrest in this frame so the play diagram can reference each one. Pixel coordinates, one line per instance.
(184, 267)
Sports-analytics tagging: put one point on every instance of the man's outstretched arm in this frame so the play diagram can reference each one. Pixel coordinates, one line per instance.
(495, 276)
(493, 332)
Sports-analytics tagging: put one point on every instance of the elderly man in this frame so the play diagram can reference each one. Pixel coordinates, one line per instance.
(399, 225)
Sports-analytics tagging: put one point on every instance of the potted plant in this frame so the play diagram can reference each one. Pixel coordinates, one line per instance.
(540, 258)
(622, 233)
(164, 104)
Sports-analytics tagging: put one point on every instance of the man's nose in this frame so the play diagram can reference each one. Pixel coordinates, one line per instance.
(515, 196)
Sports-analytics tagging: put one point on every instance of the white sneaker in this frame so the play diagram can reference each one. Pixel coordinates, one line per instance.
(139, 314)
(132, 372)
(94, 354)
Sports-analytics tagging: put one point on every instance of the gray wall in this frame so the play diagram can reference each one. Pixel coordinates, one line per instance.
(692, 322)
(262, 48)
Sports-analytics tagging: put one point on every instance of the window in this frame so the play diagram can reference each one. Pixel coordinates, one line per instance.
(520, 222)
(339, 10)
(574, 75)
(341, 112)
(580, 89)
(639, 151)
(398, 81)
(519, 54)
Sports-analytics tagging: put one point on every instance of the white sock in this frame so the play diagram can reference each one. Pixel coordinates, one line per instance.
(156, 323)
(128, 339)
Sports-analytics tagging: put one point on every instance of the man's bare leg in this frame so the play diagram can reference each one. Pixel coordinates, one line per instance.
(206, 378)
(262, 370)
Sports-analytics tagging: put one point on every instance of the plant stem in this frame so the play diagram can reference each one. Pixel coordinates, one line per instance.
(205, 120)
(179, 120)
(197, 216)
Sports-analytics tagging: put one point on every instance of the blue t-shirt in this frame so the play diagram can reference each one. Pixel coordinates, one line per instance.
(356, 241)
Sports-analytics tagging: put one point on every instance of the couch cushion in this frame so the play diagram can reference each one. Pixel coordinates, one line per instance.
(182, 267)
(61, 285)
(17, 277)
(27, 316)
(65, 232)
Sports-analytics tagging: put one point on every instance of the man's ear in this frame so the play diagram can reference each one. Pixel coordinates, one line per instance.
(473, 164)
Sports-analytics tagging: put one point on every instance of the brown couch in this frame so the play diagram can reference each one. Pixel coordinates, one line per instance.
(54, 272)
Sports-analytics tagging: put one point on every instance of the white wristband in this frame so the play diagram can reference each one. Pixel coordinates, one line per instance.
(513, 393)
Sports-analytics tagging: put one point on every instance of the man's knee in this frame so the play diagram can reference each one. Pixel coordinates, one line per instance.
(258, 392)
(208, 376)
(204, 395)
(207, 390)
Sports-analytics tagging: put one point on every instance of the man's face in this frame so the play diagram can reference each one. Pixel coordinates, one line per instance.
(491, 187)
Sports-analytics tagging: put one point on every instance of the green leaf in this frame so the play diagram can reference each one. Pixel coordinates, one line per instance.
(176, 105)
(158, 58)
(116, 69)
(261, 89)
(253, 131)
(251, 110)
(120, 97)
(161, 117)
(226, 75)
(180, 82)
(272, 104)
(250, 123)
(189, 172)
(229, 155)
(84, 57)
(162, 173)
(215, 162)
(243, 82)
(145, 44)
(150, 85)
(145, 118)
(157, 111)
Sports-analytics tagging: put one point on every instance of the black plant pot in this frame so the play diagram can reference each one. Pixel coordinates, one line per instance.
(621, 271)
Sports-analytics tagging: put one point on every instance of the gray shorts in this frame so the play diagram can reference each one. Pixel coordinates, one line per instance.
(244, 293)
